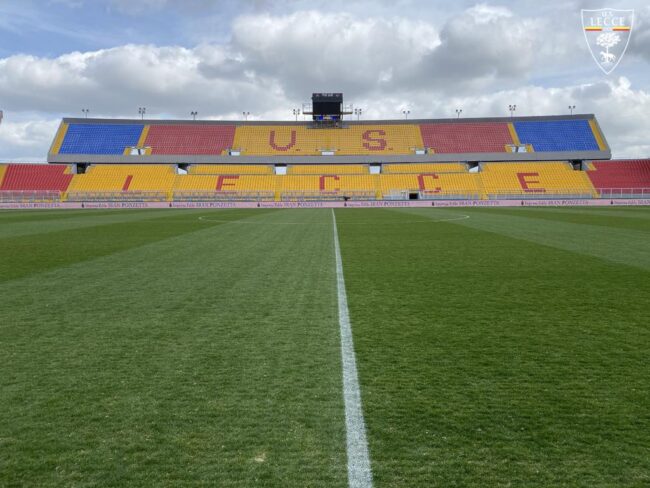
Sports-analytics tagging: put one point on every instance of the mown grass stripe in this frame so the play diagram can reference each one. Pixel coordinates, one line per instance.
(202, 359)
(603, 241)
(488, 361)
(105, 235)
(359, 472)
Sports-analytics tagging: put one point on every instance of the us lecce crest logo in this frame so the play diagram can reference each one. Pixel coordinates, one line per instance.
(607, 31)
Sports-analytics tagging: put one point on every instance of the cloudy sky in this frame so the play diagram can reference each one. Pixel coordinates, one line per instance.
(221, 57)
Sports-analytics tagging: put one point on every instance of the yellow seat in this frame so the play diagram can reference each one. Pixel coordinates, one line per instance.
(300, 140)
(424, 168)
(544, 178)
(231, 169)
(328, 183)
(327, 169)
(452, 184)
(195, 183)
(128, 177)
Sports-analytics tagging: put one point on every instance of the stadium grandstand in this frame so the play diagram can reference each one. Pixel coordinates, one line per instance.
(474, 160)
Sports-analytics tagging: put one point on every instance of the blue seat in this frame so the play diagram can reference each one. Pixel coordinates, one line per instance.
(557, 135)
(100, 138)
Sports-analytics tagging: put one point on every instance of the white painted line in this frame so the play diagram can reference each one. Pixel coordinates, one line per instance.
(462, 217)
(399, 222)
(359, 473)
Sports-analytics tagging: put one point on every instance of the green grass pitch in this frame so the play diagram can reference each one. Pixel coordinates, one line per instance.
(495, 347)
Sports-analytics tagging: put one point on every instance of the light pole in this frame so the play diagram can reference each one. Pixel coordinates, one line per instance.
(85, 112)
(246, 114)
(512, 109)
(296, 112)
(358, 112)
(142, 111)
(406, 113)
(194, 113)
(572, 108)
(458, 112)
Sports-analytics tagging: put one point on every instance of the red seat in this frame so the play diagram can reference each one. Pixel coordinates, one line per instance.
(25, 177)
(466, 137)
(190, 139)
(624, 174)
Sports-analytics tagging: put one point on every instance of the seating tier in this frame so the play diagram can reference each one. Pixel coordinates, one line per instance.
(557, 135)
(105, 139)
(435, 183)
(468, 137)
(231, 169)
(299, 140)
(620, 175)
(424, 168)
(325, 169)
(553, 178)
(189, 139)
(128, 177)
(26, 177)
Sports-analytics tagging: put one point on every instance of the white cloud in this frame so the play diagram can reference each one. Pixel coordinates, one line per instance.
(26, 141)
(330, 52)
(640, 36)
(480, 60)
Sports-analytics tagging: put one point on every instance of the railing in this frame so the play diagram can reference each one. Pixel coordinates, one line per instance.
(443, 195)
(223, 196)
(327, 196)
(577, 194)
(430, 195)
(117, 196)
(49, 196)
(624, 192)
(31, 196)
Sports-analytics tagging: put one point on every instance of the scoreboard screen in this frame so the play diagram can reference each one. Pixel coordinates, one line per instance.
(326, 103)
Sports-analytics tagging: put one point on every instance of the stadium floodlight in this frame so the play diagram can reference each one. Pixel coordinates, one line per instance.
(572, 108)
(296, 112)
(142, 111)
(512, 109)
(358, 112)
(246, 114)
(406, 113)
(458, 112)
(85, 112)
(194, 113)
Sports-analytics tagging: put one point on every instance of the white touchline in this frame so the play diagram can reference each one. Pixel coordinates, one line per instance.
(359, 473)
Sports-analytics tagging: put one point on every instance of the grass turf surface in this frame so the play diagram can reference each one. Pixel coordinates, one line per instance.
(151, 348)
